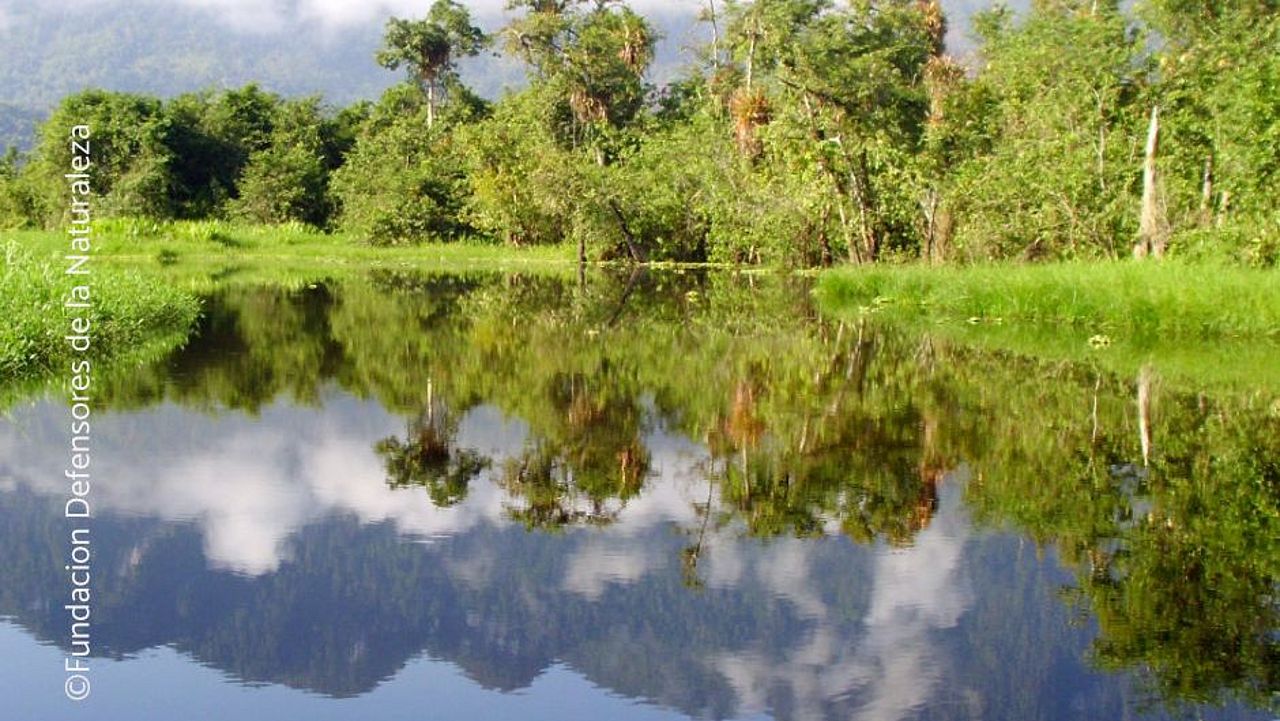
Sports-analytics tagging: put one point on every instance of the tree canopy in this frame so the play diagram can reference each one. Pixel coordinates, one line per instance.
(807, 132)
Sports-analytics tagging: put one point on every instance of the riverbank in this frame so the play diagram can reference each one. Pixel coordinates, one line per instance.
(144, 244)
(128, 312)
(1210, 324)
(1207, 324)
(1117, 299)
(147, 276)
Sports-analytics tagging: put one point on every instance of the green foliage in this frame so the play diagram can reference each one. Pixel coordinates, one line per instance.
(662, 187)
(594, 58)
(131, 160)
(288, 179)
(1056, 175)
(128, 312)
(811, 132)
(1252, 240)
(16, 204)
(242, 152)
(213, 137)
(402, 182)
(250, 154)
(1218, 79)
(519, 180)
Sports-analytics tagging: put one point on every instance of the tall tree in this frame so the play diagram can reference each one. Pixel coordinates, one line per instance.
(430, 48)
(595, 58)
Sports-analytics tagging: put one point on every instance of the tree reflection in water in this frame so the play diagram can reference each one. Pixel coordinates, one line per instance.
(804, 428)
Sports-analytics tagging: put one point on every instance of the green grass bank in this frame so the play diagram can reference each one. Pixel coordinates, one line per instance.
(128, 312)
(1203, 323)
(147, 275)
(148, 244)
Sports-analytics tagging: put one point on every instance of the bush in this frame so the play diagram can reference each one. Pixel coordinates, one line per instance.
(403, 182)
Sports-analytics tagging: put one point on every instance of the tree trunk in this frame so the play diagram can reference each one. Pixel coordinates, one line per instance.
(932, 240)
(855, 254)
(715, 34)
(431, 104)
(867, 208)
(637, 255)
(1206, 191)
(824, 243)
(1152, 237)
(842, 189)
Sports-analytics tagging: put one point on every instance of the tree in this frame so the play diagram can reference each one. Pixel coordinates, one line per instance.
(429, 457)
(132, 161)
(1055, 122)
(595, 60)
(430, 49)
(1216, 77)
(400, 184)
(520, 182)
(15, 199)
(828, 105)
(288, 180)
(212, 137)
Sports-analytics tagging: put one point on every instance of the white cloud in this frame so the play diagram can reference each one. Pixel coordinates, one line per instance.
(248, 15)
(893, 670)
(600, 562)
(249, 485)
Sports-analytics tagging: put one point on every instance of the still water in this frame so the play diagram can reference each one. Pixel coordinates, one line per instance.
(656, 496)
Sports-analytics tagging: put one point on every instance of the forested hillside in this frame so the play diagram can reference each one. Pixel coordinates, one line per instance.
(18, 126)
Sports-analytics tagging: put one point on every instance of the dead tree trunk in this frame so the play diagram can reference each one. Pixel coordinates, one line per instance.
(715, 34)
(933, 240)
(431, 104)
(1152, 237)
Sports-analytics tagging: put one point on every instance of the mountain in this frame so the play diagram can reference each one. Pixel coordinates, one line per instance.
(294, 47)
(18, 126)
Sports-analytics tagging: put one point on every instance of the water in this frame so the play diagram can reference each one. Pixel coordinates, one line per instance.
(658, 496)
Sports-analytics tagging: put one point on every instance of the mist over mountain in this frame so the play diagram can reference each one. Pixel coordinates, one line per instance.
(294, 47)
(53, 48)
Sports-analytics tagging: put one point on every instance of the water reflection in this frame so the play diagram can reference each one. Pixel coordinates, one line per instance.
(687, 489)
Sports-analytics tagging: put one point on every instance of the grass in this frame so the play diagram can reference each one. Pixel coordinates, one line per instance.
(1117, 299)
(146, 276)
(128, 312)
(148, 243)
(1204, 324)
(1200, 321)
